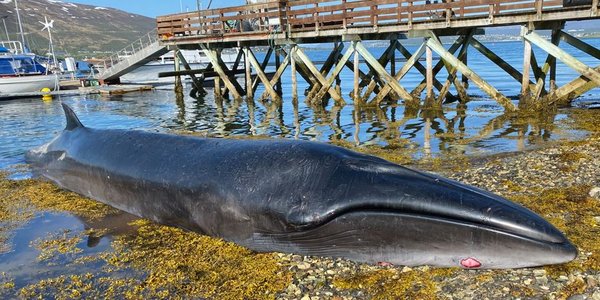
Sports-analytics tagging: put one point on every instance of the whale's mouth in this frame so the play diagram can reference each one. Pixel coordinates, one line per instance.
(378, 235)
(549, 234)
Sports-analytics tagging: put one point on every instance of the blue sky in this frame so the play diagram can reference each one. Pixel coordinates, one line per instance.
(153, 8)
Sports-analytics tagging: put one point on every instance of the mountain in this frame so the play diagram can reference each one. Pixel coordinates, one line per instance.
(79, 30)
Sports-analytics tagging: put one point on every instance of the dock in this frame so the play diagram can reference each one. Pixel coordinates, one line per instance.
(283, 26)
(82, 91)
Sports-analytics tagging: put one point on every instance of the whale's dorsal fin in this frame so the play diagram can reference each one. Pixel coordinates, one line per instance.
(72, 120)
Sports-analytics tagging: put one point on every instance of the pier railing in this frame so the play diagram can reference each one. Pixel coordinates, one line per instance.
(138, 45)
(296, 16)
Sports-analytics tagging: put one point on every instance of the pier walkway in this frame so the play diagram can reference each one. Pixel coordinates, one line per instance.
(283, 25)
(133, 56)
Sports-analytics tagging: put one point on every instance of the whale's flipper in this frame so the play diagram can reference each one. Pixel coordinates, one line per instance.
(72, 120)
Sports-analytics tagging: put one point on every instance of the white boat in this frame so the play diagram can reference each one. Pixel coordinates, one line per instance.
(27, 84)
(148, 73)
(21, 74)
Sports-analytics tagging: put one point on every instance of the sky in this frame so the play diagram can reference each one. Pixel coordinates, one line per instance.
(153, 8)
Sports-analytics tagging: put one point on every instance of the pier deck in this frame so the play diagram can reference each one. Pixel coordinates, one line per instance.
(282, 25)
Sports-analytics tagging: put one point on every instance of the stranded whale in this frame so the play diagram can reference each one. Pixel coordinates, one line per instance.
(298, 196)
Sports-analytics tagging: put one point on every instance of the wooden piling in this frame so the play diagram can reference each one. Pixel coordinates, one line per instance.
(178, 82)
(525, 97)
(465, 70)
(248, 71)
(393, 57)
(294, 76)
(357, 98)
(429, 77)
(277, 65)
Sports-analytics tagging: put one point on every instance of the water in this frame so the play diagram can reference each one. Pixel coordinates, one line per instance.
(481, 129)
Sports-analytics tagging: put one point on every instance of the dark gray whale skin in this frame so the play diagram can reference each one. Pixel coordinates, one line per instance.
(298, 196)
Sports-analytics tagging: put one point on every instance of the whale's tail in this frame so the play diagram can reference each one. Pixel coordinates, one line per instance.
(72, 119)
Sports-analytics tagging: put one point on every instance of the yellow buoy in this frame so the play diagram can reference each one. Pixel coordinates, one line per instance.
(47, 96)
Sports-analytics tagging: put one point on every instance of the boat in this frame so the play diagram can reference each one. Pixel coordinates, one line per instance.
(148, 73)
(21, 73)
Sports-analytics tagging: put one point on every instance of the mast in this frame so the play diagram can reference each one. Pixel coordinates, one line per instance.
(20, 25)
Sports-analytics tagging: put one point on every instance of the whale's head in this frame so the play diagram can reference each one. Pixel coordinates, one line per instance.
(382, 212)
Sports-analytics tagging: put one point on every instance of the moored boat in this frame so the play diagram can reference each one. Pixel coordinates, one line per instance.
(22, 74)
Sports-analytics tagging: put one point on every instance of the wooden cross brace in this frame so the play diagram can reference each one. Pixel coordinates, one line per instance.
(445, 55)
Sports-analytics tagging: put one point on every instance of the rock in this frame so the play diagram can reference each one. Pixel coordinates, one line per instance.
(595, 192)
(591, 282)
(539, 272)
(303, 266)
(306, 297)
(406, 269)
(541, 280)
(576, 297)
(596, 295)
(562, 278)
(527, 281)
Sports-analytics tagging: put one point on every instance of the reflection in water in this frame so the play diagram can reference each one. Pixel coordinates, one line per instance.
(458, 129)
(107, 226)
(479, 127)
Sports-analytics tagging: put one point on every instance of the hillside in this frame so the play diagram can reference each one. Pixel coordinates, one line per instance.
(79, 30)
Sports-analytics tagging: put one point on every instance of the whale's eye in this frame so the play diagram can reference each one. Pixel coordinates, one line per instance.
(470, 263)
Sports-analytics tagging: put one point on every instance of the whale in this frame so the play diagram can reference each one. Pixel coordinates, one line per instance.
(300, 197)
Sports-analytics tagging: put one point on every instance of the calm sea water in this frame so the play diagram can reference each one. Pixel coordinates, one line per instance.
(482, 129)
(26, 123)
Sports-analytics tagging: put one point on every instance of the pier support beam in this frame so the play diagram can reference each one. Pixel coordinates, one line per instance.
(262, 76)
(357, 98)
(294, 76)
(301, 56)
(589, 78)
(372, 81)
(410, 62)
(248, 71)
(461, 89)
(178, 83)
(589, 73)
(391, 81)
(218, 65)
(276, 80)
(436, 69)
(525, 98)
(197, 83)
(429, 96)
(465, 70)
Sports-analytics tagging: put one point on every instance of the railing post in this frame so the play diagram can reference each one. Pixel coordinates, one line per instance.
(448, 11)
(410, 14)
(374, 17)
(316, 17)
(399, 12)
(594, 8)
(345, 20)
(538, 8)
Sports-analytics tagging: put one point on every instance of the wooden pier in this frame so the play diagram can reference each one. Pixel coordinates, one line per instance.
(284, 25)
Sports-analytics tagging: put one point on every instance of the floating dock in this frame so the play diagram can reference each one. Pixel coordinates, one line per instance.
(92, 90)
